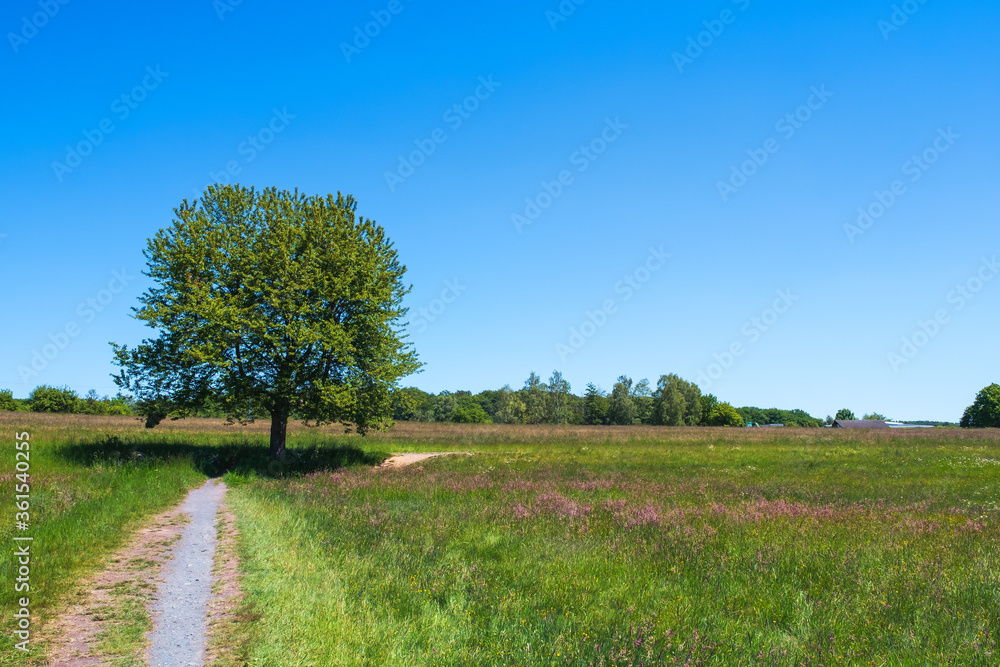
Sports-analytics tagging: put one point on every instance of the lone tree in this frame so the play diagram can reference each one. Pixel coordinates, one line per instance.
(985, 411)
(271, 299)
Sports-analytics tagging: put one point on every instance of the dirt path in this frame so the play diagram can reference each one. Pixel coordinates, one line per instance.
(179, 615)
(166, 568)
(74, 634)
(401, 460)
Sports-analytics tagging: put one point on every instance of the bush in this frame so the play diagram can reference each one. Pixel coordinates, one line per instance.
(117, 407)
(54, 399)
(94, 405)
(7, 402)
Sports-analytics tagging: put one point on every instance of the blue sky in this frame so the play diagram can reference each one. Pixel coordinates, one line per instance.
(738, 137)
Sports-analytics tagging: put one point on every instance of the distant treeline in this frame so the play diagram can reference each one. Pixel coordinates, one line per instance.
(672, 402)
(65, 400)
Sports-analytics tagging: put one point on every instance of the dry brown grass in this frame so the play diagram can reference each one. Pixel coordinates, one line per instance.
(89, 424)
(432, 432)
(429, 433)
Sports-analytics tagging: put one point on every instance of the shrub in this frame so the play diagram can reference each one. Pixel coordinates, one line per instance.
(54, 399)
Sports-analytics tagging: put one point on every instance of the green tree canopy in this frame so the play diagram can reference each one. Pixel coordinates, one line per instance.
(875, 416)
(274, 298)
(708, 403)
(406, 401)
(488, 399)
(510, 407)
(621, 404)
(985, 411)
(762, 416)
(533, 394)
(676, 402)
(469, 411)
(595, 406)
(844, 413)
(557, 399)
(642, 396)
(92, 404)
(723, 414)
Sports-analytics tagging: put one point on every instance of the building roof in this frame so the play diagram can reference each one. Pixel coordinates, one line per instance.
(860, 423)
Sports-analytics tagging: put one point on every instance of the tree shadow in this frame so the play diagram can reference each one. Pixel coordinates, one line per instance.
(242, 458)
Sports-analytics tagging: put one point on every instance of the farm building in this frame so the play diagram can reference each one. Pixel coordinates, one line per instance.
(859, 423)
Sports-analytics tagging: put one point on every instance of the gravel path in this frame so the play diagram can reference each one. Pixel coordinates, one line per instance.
(179, 622)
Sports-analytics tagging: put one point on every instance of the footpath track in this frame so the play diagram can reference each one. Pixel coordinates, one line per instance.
(175, 553)
(180, 622)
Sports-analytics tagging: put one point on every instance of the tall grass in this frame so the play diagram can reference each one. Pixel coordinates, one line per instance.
(766, 550)
(95, 480)
(79, 514)
(553, 544)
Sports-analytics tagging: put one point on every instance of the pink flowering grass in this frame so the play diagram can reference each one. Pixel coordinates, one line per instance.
(789, 551)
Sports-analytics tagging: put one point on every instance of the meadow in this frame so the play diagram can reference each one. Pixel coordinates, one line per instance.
(559, 545)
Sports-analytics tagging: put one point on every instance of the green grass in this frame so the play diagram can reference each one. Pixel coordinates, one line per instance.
(127, 622)
(90, 491)
(790, 550)
(551, 545)
(79, 514)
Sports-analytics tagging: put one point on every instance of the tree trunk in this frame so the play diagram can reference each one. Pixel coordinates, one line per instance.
(279, 425)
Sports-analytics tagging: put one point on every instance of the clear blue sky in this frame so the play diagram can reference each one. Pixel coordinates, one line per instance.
(663, 120)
